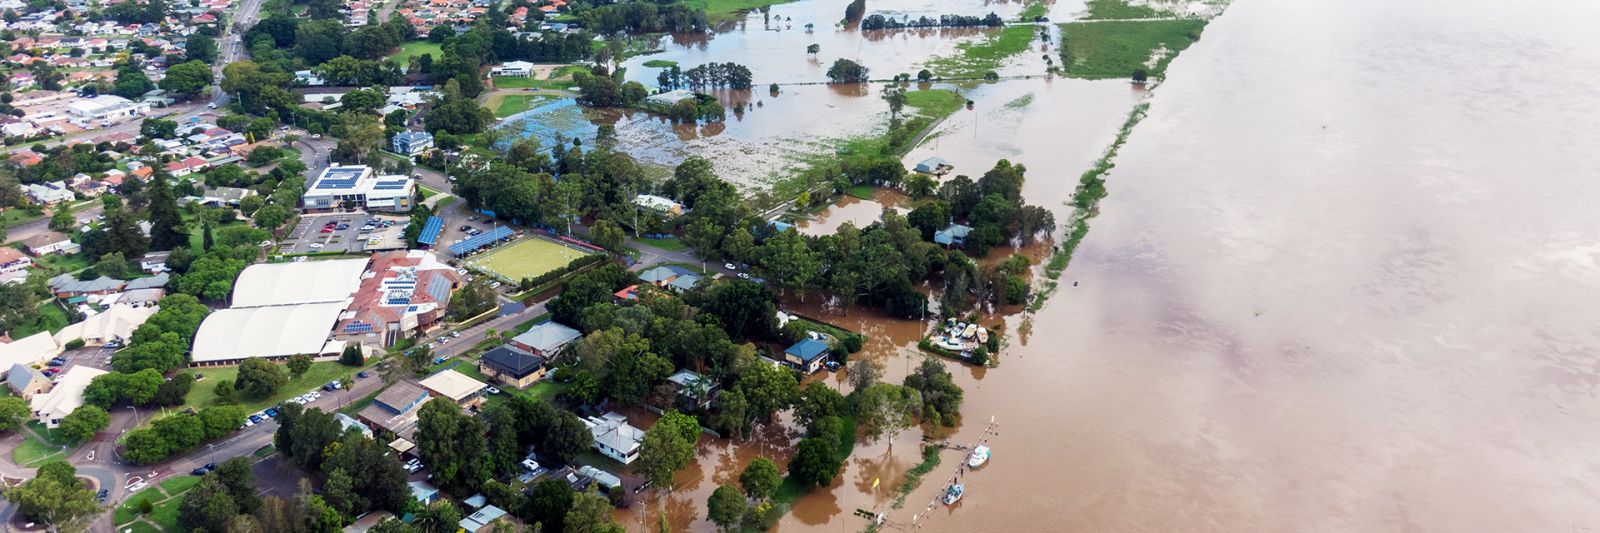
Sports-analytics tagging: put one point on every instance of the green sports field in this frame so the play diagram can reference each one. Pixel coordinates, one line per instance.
(526, 258)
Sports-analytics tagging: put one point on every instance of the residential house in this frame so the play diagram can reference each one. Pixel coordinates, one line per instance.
(693, 389)
(31, 350)
(49, 242)
(395, 408)
(412, 142)
(512, 366)
(25, 381)
(423, 492)
(48, 194)
(546, 339)
(154, 262)
(69, 287)
(455, 386)
(186, 167)
(806, 355)
(482, 520)
(955, 234)
(614, 437)
(659, 204)
(13, 260)
(347, 422)
(117, 322)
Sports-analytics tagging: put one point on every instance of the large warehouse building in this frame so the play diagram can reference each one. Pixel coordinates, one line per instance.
(279, 310)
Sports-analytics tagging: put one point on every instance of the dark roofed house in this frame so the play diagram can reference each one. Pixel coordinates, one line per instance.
(25, 382)
(512, 366)
(68, 286)
(806, 355)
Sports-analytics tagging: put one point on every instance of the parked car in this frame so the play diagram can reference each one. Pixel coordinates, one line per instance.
(492, 390)
(363, 374)
(255, 419)
(271, 412)
(744, 275)
(199, 471)
(465, 227)
(729, 266)
(454, 334)
(102, 495)
(438, 360)
(210, 466)
(54, 362)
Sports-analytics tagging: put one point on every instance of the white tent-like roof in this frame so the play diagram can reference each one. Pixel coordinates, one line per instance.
(298, 283)
(29, 350)
(117, 321)
(66, 396)
(273, 331)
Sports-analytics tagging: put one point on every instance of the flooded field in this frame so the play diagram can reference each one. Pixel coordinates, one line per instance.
(1344, 281)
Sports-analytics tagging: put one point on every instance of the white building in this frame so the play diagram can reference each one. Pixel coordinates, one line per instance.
(65, 397)
(359, 185)
(279, 310)
(107, 107)
(659, 204)
(513, 69)
(670, 97)
(614, 437)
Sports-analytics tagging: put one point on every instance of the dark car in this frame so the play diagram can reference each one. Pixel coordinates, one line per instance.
(54, 362)
(465, 228)
(102, 495)
(255, 419)
(271, 412)
(832, 365)
(210, 466)
(199, 471)
(363, 374)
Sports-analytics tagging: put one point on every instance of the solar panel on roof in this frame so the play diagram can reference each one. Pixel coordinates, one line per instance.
(358, 327)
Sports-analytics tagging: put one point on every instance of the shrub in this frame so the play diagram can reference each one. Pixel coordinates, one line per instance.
(73, 344)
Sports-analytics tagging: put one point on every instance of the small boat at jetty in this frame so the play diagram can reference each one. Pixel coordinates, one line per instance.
(983, 335)
(972, 329)
(953, 494)
(978, 457)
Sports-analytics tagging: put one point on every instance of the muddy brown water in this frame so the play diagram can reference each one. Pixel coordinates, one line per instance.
(1345, 280)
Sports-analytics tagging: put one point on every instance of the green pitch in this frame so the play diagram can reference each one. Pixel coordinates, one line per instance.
(526, 258)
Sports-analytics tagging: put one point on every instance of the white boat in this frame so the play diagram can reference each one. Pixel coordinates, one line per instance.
(979, 456)
(983, 334)
(953, 494)
(972, 329)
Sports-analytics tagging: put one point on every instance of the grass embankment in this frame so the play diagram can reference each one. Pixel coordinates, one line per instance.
(791, 489)
(1119, 9)
(1034, 10)
(660, 63)
(976, 58)
(39, 445)
(512, 104)
(416, 49)
(930, 461)
(670, 245)
(720, 10)
(165, 497)
(204, 393)
(1085, 203)
(924, 110)
(1109, 50)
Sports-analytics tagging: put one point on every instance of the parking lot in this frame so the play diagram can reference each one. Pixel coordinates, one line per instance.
(314, 234)
(90, 356)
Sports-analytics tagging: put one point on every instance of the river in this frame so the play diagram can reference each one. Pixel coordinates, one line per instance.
(1345, 280)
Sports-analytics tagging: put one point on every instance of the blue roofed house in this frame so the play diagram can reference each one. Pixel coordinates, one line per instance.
(482, 520)
(412, 142)
(423, 492)
(806, 355)
(955, 234)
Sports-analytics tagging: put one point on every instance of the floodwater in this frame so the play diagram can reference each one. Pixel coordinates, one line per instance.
(1345, 280)
(855, 211)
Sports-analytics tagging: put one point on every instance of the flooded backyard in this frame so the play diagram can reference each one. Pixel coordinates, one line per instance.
(1345, 278)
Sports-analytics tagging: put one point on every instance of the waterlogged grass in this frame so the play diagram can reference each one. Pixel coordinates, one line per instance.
(1118, 9)
(660, 63)
(1085, 203)
(671, 245)
(726, 9)
(974, 59)
(930, 461)
(935, 103)
(1109, 50)
(516, 103)
(1033, 11)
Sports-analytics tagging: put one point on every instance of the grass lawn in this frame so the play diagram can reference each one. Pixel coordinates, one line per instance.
(34, 451)
(204, 392)
(1035, 9)
(52, 317)
(12, 217)
(671, 245)
(179, 485)
(863, 192)
(1118, 9)
(416, 49)
(1102, 50)
(59, 263)
(526, 258)
(660, 63)
(512, 82)
(935, 103)
(425, 191)
(166, 499)
(973, 59)
(516, 103)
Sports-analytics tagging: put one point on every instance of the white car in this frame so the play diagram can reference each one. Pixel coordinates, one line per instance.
(729, 266)
(454, 334)
(316, 246)
(492, 390)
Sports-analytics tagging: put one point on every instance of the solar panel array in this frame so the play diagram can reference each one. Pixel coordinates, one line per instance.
(430, 231)
(340, 177)
(358, 327)
(480, 241)
(393, 185)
